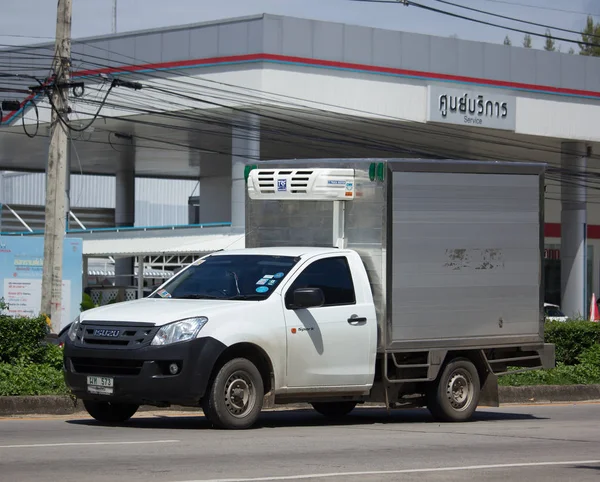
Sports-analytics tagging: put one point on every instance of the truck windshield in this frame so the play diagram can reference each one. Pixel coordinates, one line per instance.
(229, 277)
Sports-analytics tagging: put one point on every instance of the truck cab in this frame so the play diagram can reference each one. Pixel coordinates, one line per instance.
(281, 321)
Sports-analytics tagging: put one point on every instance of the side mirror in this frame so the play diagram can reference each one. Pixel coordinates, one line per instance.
(308, 298)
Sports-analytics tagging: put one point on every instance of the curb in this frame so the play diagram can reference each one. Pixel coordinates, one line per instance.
(66, 405)
(549, 394)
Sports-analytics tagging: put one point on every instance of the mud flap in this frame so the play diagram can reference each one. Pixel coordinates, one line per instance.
(488, 396)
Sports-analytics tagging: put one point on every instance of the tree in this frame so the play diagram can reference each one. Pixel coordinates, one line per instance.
(550, 44)
(507, 41)
(571, 51)
(527, 41)
(590, 39)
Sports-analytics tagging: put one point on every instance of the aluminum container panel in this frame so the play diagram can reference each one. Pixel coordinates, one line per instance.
(466, 255)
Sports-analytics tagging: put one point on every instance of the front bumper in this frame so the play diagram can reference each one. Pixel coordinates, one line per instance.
(141, 375)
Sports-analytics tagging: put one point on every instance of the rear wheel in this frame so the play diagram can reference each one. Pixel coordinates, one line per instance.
(109, 412)
(455, 394)
(334, 409)
(235, 398)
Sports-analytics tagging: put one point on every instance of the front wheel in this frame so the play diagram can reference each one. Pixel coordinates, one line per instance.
(235, 398)
(109, 412)
(334, 409)
(455, 395)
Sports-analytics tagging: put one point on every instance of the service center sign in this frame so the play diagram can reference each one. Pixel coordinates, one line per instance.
(471, 108)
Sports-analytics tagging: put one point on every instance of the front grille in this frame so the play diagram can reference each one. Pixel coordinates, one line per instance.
(104, 366)
(116, 335)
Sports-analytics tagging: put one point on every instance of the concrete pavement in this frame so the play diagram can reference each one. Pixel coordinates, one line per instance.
(534, 443)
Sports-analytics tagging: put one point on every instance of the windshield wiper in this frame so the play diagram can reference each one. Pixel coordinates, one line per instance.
(199, 297)
(245, 297)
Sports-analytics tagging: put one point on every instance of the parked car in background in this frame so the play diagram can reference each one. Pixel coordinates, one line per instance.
(553, 313)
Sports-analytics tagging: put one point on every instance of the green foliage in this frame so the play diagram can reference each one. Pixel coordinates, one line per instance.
(561, 375)
(53, 356)
(507, 40)
(87, 303)
(590, 39)
(31, 379)
(22, 339)
(549, 44)
(572, 338)
(591, 357)
(29, 365)
(527, 41)
(577, 357)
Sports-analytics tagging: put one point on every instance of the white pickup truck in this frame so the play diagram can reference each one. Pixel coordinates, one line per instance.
(410, 283)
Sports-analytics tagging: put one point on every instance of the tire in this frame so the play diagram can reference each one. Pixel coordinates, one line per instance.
(454, 396)
(109, 412)
(334, 409)
(227, 409)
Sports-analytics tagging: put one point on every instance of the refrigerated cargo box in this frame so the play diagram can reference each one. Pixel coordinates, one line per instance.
(454, 249)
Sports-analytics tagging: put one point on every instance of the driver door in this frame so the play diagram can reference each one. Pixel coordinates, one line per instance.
(328, 346)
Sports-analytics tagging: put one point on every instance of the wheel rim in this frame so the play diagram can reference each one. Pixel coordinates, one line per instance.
(459, 389)
(240, 394)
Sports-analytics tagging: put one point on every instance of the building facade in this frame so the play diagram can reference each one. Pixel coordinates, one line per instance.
(218, 95)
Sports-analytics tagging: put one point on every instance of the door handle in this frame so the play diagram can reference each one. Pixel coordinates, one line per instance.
(355, 320)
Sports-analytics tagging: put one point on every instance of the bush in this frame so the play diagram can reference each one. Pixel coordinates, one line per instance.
(22, 339)
(561, 375)
(31, 379)
(585, 372)
(87, 303)
(572, 338)
(28, 365)
(53, 357)
(591, 356)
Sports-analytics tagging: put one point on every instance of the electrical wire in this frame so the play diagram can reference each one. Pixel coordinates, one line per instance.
(325, 139)
(513, 19)
(188, 106)
(449, 129)
(527, 5)
(411, 3)
(37, 118)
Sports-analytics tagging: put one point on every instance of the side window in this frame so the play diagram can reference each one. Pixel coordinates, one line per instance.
(332, 275)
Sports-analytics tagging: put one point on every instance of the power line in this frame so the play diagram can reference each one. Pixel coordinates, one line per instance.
(513, 19)
(420, 130)
(469, 19)
(183, 73)
(527, 5)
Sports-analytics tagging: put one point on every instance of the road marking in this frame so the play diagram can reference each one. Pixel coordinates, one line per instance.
(402, 471)
(76, 444)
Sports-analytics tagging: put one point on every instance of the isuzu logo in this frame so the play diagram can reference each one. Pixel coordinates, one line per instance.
(106, 333)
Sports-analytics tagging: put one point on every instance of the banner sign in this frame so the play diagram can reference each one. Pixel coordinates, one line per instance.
(21, 267)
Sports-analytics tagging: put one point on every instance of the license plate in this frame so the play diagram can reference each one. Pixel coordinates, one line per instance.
(100, 385)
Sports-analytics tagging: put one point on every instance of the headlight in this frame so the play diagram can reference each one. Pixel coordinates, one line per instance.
(72, 333)
(179, 331)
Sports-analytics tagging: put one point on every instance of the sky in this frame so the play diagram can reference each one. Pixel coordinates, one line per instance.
(31, 21)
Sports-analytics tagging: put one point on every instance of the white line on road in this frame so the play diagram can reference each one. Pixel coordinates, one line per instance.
(402, 471)
(79, 444)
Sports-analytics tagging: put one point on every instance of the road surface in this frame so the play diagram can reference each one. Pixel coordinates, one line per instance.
(533, 443)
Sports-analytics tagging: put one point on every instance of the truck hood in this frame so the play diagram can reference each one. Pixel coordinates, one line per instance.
(162, 311)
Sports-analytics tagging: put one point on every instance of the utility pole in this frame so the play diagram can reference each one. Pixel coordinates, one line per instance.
(114, 17)
(56, 172)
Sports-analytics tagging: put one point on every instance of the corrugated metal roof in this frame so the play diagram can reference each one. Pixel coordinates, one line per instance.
(158, 202)
(159, 246)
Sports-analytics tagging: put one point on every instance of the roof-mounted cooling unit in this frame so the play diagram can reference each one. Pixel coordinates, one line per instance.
(302, 184)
